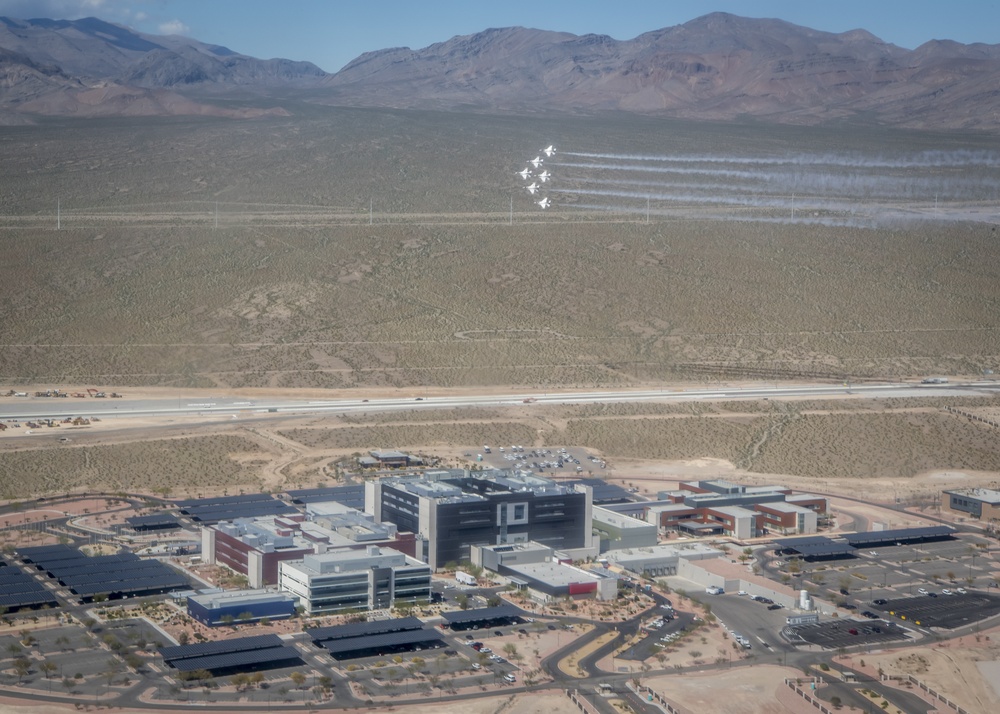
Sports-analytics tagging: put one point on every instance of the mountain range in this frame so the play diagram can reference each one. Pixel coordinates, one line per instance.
(716, 67)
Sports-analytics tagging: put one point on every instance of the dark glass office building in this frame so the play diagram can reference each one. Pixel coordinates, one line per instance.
(457, 511)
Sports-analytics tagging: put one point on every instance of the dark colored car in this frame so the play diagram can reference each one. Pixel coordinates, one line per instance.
(880, 601)
(853, 631)
(774, 606)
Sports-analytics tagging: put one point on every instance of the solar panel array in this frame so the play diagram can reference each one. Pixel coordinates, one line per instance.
(382, 642)
(155, 521)
(482, 614)
(900, 535)
(363, 629)
(122, 574)
(604, 492)
(350, 496)
(227, 508)
(257, 652)
(18, 589)
(815, 546)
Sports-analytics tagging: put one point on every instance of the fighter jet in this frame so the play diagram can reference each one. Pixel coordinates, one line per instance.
(524, 174)
(532, 188)
(544, 176)
(544, 203)
(549, 150)
(537, 161)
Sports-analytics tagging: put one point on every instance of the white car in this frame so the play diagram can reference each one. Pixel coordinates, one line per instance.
(872, 552)
(961, 591)
(946, 592)
(476, 665)
(742, 592)
(922, 591)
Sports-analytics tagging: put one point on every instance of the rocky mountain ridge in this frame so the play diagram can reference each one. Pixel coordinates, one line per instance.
(716, 67)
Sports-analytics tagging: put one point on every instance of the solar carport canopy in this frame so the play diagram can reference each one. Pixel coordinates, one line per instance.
(816, 547)
(380, 642)
(363, 629)
(900, 535)
(153, 522)
(483, 614)
(228, 654)
(18, 589)
(227, 508)
(350, 496)
(119, 574)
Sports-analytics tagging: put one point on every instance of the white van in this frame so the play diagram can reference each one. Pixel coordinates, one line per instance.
(509, 678)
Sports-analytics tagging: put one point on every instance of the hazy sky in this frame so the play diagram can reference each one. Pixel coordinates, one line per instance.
(331, 33)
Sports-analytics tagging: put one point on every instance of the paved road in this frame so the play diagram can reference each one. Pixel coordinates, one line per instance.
(53, 408)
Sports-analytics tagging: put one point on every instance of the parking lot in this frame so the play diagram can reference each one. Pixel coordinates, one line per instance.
(654, 641)
(554, 462)
(944, 611)
(844, 632)
(887, 572)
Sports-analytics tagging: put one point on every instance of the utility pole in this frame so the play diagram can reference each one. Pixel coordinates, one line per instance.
(58, 214)
(371, 207)
(216, 214)
(512, 209)
(647, 209)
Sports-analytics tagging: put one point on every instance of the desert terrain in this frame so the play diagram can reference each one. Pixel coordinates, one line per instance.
(901, 449)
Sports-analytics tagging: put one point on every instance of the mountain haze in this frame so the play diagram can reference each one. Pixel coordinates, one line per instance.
(716, 67)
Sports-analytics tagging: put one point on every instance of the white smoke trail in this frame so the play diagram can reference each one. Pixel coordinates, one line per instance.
(928, 159)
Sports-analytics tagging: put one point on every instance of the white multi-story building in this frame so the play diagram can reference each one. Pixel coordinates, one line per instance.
(344, 579)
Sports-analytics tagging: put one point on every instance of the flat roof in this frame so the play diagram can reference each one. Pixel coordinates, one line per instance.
(556, 574)
(240, 597)
(619, 520)
(986, 495)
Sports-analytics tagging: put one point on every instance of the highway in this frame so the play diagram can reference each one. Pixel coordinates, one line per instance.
(27, 408)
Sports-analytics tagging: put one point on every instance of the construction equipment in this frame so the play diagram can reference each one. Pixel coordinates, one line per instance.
(116, 395)
(79, 395)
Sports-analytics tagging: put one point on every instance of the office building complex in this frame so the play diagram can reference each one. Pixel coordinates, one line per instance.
(355, 580)
(452, 511)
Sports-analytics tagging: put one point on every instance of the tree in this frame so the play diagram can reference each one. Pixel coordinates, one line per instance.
(463, 601)
(68, 685)
(227, 619)
(22, 665)
(48, 668)
(297, 678)
(183, 638)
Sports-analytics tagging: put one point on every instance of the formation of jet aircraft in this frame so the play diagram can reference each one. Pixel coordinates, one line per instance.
(542, 176)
